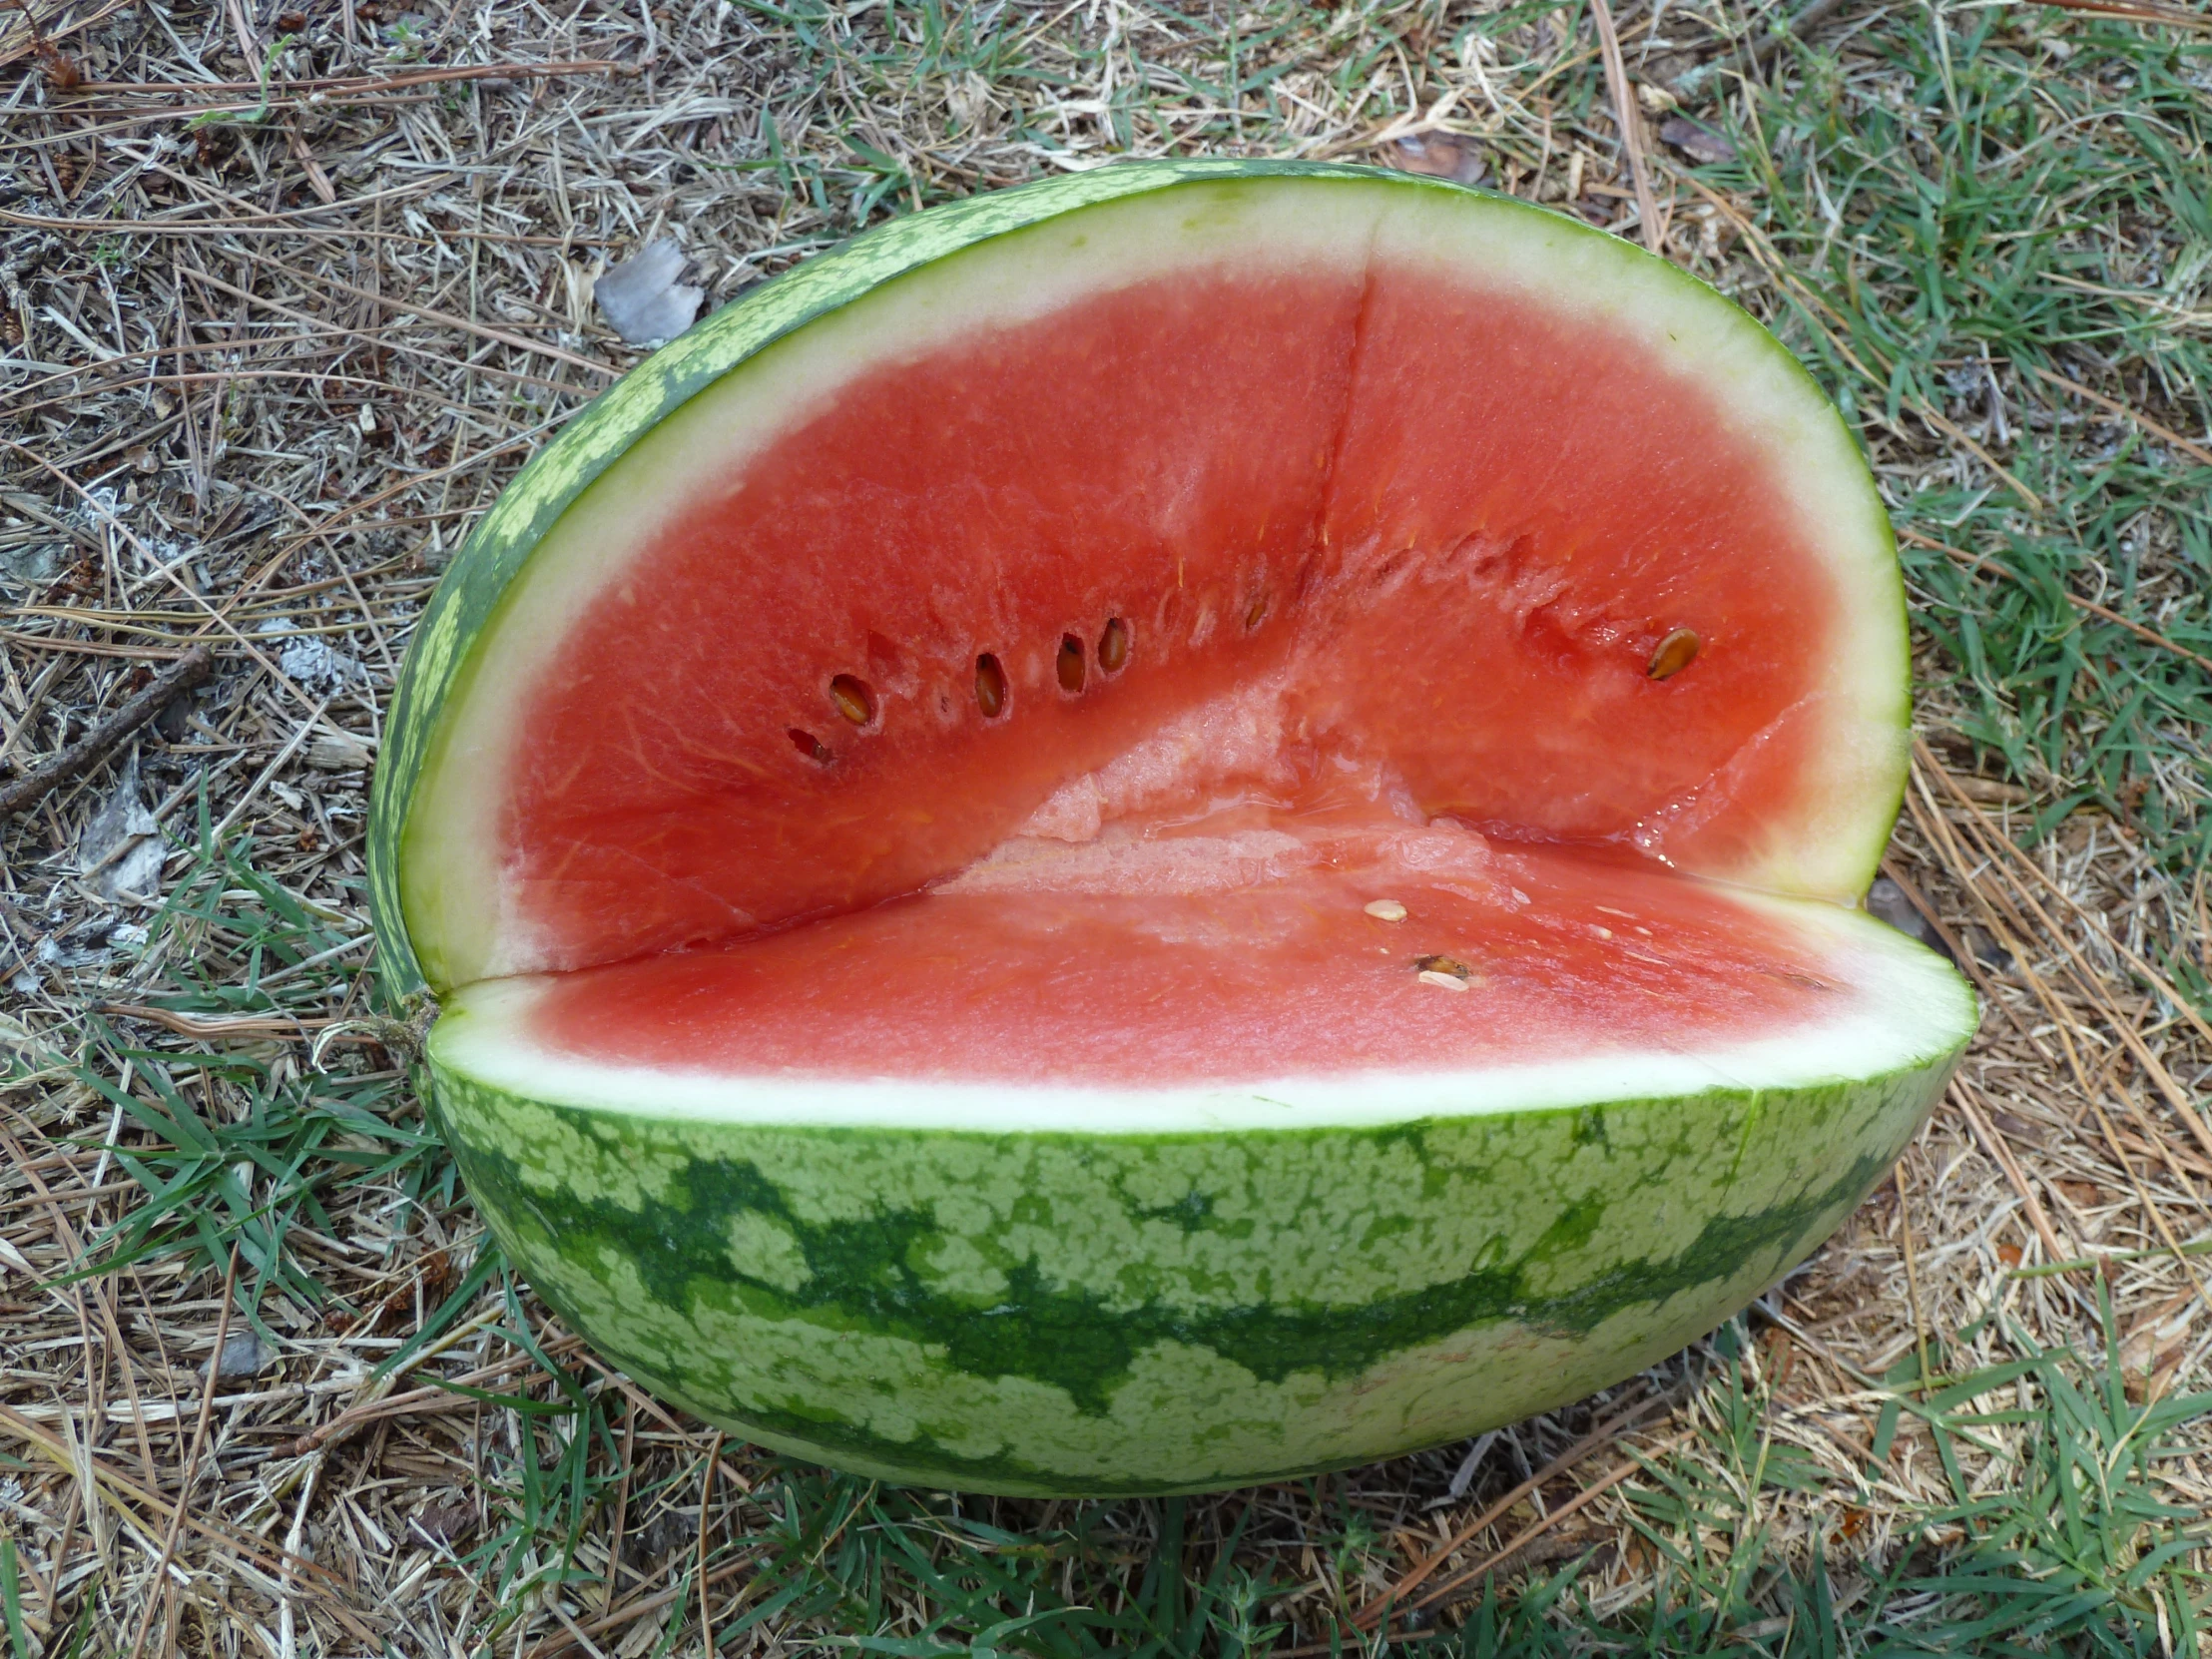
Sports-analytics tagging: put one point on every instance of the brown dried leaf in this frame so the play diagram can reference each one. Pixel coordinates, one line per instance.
(1439, 156)
(1698, 143)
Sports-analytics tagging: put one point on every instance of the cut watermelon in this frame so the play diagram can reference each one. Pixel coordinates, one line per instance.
(1186, 825)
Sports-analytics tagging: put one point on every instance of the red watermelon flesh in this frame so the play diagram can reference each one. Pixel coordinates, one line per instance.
(1237, 949)
(1452, 527)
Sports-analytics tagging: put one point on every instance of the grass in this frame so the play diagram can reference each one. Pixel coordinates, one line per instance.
(1985, 228)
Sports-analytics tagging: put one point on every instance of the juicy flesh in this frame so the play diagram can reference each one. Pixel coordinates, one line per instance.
(1463, 525)
(1055, 707)
(1243, 947)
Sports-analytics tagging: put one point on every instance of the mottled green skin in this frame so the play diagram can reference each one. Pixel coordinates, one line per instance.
(1095, 1313)
(438, 662)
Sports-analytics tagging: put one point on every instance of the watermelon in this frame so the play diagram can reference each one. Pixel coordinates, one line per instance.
(1192, 824)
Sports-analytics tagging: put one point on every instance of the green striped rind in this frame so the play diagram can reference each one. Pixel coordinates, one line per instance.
(1095, 1313)
(438, 662)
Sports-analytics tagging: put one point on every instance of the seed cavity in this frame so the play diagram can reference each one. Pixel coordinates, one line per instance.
(1385, 909)
(990, 686)
(853, 698)
(1447, 971)
(810, 746)
(1069, 667)
(1113, 645)
(1675, 651)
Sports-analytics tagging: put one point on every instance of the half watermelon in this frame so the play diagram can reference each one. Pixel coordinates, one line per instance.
(1191, 824)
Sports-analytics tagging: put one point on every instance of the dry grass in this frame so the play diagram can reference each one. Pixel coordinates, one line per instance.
(289, 296)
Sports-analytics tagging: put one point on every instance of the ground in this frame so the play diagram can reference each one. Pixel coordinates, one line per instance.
(290, 295)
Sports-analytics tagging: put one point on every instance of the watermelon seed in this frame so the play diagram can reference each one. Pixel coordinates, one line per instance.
(1113, 645)
(1675, 651)
(1385, 909)
(810, 746)
(854, 699)
(991, 687)
(1443, 980)
(1435, 969)
(1257, 613)
(1070, 664)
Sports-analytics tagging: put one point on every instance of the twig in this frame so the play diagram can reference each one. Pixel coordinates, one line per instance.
(93, 748)
(1912, 1274)
(190, 1478)
(622, 1509)
(1624, 111)
(1516, 1550)
(341, 85)
(2134, 11)
(631, 1611)
(1595, 1441)
(422, 313)
(1995, 1144)
(1536, 1529)
(2195, 452)
(706, 1495)
(416, 1401)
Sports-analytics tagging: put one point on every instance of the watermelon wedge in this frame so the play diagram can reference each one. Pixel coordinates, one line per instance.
(1192, 824)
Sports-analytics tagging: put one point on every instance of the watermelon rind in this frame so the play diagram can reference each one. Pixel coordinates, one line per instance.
(1171, 1287)
(538, 555)
(1181, 1290)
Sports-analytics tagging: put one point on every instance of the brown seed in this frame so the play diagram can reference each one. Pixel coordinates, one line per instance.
(810, 746)
(1675, 651)
(1255, 613)
(991, 687)
(1113, 645)
(1449, 965)
(1070, 664)
(854, 699)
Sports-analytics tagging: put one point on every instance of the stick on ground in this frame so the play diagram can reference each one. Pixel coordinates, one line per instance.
(94, 746)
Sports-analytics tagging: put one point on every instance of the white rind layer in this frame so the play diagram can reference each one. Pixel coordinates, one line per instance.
(1904, 1009)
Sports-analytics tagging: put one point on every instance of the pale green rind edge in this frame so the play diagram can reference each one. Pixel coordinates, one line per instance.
(496, 551)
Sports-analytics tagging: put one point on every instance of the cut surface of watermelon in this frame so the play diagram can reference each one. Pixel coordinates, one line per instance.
(1138, 974)
(1191, 824)
(1450, 468)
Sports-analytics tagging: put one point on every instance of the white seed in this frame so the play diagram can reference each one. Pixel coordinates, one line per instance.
(1385, 909)
(1443, 980)
(1603, 932)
